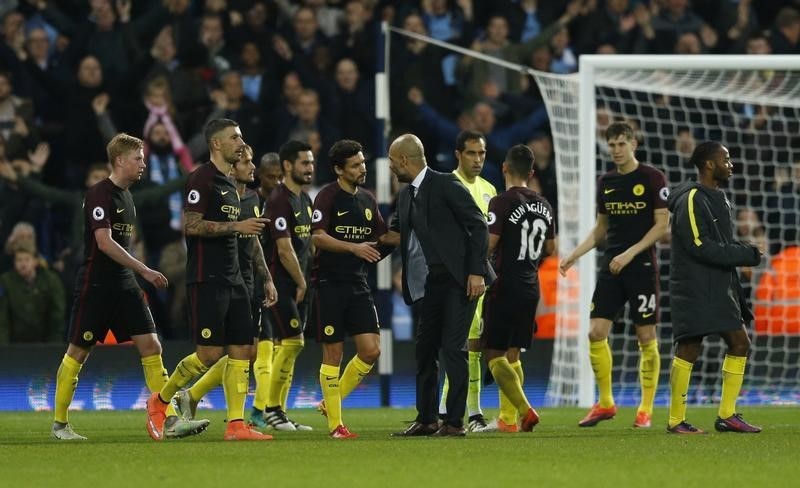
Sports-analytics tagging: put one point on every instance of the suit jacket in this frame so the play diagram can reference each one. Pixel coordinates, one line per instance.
(449, 219)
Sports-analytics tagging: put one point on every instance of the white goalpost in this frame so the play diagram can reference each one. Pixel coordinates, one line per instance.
(749, 103)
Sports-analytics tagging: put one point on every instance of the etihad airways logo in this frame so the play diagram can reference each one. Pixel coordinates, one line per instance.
(623, 208)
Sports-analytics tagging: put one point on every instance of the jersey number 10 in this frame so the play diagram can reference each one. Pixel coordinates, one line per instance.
(531, 239)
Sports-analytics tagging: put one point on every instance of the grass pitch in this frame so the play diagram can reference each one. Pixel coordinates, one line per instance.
(558, 453)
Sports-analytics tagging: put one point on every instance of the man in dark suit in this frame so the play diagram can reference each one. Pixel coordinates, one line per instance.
(443, 239)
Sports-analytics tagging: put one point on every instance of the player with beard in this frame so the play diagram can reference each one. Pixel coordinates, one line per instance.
(289, 212)
(346, 226)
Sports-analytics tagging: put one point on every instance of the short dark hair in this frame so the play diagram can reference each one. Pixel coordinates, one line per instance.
(520, 160)
(617, 129)
(215, 126)
(270, 159)
(288, 151)
(704, 152)
(342, 150)
(467, 135)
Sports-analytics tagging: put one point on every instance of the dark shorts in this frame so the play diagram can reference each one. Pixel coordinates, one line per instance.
(638, 288)
(509, 317)
(286, 317)
(219, 315)
(342, 308)
(98, 309)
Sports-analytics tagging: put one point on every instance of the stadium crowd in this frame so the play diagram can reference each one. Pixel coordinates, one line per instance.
(75, 73)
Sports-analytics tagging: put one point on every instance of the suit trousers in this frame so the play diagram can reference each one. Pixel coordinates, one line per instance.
(446, 316)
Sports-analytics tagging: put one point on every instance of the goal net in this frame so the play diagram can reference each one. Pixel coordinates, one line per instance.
(749, 104)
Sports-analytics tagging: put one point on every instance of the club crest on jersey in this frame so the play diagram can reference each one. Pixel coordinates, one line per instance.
(280, 223)
(664, 193)
(368, 214)
(316, 216)
(491, 218)
(193, 197)
(638, 190)
(98, 213)
(256, 211)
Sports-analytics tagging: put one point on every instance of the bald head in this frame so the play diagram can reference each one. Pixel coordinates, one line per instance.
(406, 157)
(409, 145)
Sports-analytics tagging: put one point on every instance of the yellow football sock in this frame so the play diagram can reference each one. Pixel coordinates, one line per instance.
(262, 367)
(236, 378)
(732, 377)
(679, 378)
(331, 393)
(474, 388)
(508, 381)
(649, 369)
(508, 412)
(283, 370)
(188, 369)
(155, 376)
(210, 380)
(600, 357)
(66, 382)
(443, 398)
(353, 375)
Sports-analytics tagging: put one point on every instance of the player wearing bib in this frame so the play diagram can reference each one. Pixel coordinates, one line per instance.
(471, 156)
(289, 210)
(631, 217)
(521, 234)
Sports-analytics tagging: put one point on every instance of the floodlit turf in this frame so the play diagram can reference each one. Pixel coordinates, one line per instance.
(557, 453)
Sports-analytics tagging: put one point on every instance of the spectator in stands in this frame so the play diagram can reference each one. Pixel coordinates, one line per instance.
(83, 140)
(258, 83)
(417, 64)
(300, 127)
(31, 300)
(212, 36)
(613, 25)
(45, 74)
(785, 37)
(545, 167)
(736, 23)
(357, 37)
(353, 105)
(327, 17)
(688, 43)
(230, 103)
(758, 43)
(661, 27)
(16, 121)
(305, 36)
(564, 59)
